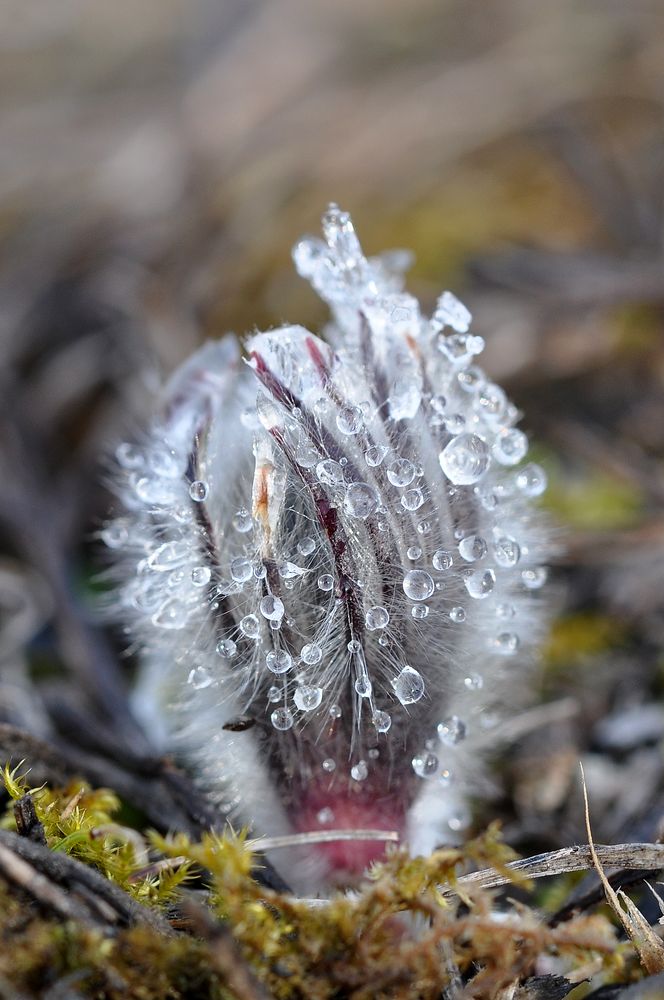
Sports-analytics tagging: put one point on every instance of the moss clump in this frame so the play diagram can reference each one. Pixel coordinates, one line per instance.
(407, 929)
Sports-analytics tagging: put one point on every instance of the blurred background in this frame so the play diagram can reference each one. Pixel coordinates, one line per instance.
(158, 160)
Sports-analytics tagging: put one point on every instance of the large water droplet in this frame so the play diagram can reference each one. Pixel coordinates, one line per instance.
(311, 653)
(282, 719)
(173, 614)
(510, 447)
(382, 721)
(306, 546)
(201, 576)
(249, 626)
(272, 608)
(531, 480)
(226, 648)
(465, 459)
(401, 472)
(418, 585)
(425, 765)
(506, 551)
(307, 698)
(534, 578)
(350, 419)
(359, 771)
(506, 644)
(329, 473)
(442, 560)
(325, 582)
(199, 490)
(200, 678)
(452, 730)
(361, 500)
(377, 618)
(480, 583)
(412, 499)
(472, 548)
(242, 521)
(408, 686)
(374, 456)
(279, 661)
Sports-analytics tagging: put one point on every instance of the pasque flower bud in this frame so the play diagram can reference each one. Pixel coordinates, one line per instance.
(330, 561)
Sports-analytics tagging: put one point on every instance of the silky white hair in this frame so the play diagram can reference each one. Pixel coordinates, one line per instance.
(330, 558)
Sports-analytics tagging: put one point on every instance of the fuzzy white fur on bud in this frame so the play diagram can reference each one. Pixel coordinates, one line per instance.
(330, 558)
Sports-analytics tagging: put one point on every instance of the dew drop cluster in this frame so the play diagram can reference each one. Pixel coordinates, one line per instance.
(338, 538)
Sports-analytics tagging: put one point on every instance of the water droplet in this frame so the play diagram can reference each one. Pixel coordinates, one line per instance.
(418, 585)
(471, 379)
(329, 765)
(325, 582)
(451, 730)
(506, 551)
(442, 560)
(129, 457)
(307, 698)
(451, 312)
(282, 719)
(325, 816)
(274, 693)
(423, 527)
(465, 459)
(408, 686)
(272, 608)
(311, 653)
(425, 765)
(420, 611)
(458, 615)
(249, 626)
(306, 455)
(361, 500)
(199, 490)
(474, 682)
(334, 712)
(200, 678)
(242, 521)
(531, 480)
(377, 618)
(472, 548)
(505, 611)
(480, 583)
(289, 571)
(412, 499)
(226, 648)
(306, 546)
(173, 614)
(414, 552)
(401, 472)
(510, 447)
(455, 423)
(363, 686)
(329, 473)
(534, 578)
(460, 820)
(492, 402)
(350, 419)
(382, 721)
(201, 575)
(374, 456)
(279, 661)
(506, 644)
(359, 771)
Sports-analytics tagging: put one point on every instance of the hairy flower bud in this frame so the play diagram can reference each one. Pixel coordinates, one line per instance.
(330, 560)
